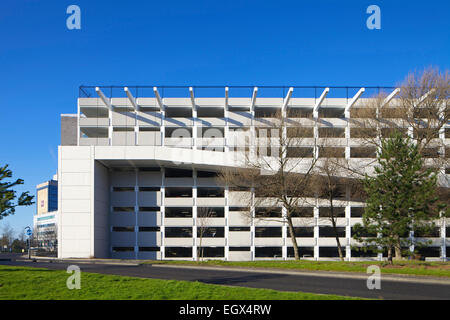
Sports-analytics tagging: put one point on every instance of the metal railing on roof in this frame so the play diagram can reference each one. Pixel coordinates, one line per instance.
(215, 91)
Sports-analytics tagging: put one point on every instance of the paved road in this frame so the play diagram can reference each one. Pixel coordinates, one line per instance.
(285, 282)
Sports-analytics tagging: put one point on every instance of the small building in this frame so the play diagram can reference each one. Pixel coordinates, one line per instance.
(45, 220)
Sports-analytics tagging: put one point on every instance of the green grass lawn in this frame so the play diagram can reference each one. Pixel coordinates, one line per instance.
(43, 284)
(420, 268)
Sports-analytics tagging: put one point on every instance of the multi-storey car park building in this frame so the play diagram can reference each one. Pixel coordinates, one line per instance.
(137, 164)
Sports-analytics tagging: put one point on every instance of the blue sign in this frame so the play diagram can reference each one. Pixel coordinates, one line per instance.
(29, 233)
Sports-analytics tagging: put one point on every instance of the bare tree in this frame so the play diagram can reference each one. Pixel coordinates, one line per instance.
(7, 236)
(328, 183)
(276, 170)
(421, 111)
(204, 215)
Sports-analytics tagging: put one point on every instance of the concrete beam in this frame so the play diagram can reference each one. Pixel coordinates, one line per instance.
(322, 97)
(103, 97)
(158, 97)
(191, 92)
(131, 98)
(226, 98)
(288, 98)
(426, 95)
(255, 91)
(390, 96)
(354, 99)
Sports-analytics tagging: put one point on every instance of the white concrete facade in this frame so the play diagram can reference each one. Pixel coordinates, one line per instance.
(144, 167)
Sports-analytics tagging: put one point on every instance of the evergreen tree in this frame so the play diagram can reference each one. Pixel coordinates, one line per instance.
(401, 197)
(8, 195)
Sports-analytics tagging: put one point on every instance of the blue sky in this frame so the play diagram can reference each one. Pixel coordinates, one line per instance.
(321, 42)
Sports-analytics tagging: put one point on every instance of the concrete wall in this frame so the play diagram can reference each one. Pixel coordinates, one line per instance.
(76, 202)
(69, 130)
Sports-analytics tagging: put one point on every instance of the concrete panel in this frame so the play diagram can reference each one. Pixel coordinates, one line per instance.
(267, 222)
(210, 122)
(149, 119)
(331, 242)
(239, 198)
(178, 142)
(76, 166)
(210, 142)
(77, 153)
(240, 238)
(211, 242)
(69, 130)
(149, 219)
(76, 232)
(275, 242)
(149, 239)
(149, 199)
(220, 202)
(122, 219)
(123, 239)
(175, 242)
(149, 179)
(215, 222)
(123, 118)
(75, 179)
(90, 102)
(147, 102)
(123, 179)
(149, 138)
(305, 242)
(78, 248)
(94, 141)
(74, 219)
(178, 122)
(178, 222)
(303, 222)
(75, 192)
(238, 218)
(122, 102)
(77, 206)
(178, 202)
(239, 256)
(239, 118)
(123, 138)
(340, 222)
(123, 199)
(93, 122)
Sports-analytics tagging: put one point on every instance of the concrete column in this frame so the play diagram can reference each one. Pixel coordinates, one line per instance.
(194, 128)
(284, 232)
(194, 215)
(227, 227)
(136, 211)
(252, 226)
(348, 232)
(226, 131)
(316, 232)
(347, 135)
(162, 213)
(163, 126)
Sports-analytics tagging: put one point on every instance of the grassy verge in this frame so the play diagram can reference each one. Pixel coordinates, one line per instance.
(43, 284)
(419, 268)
